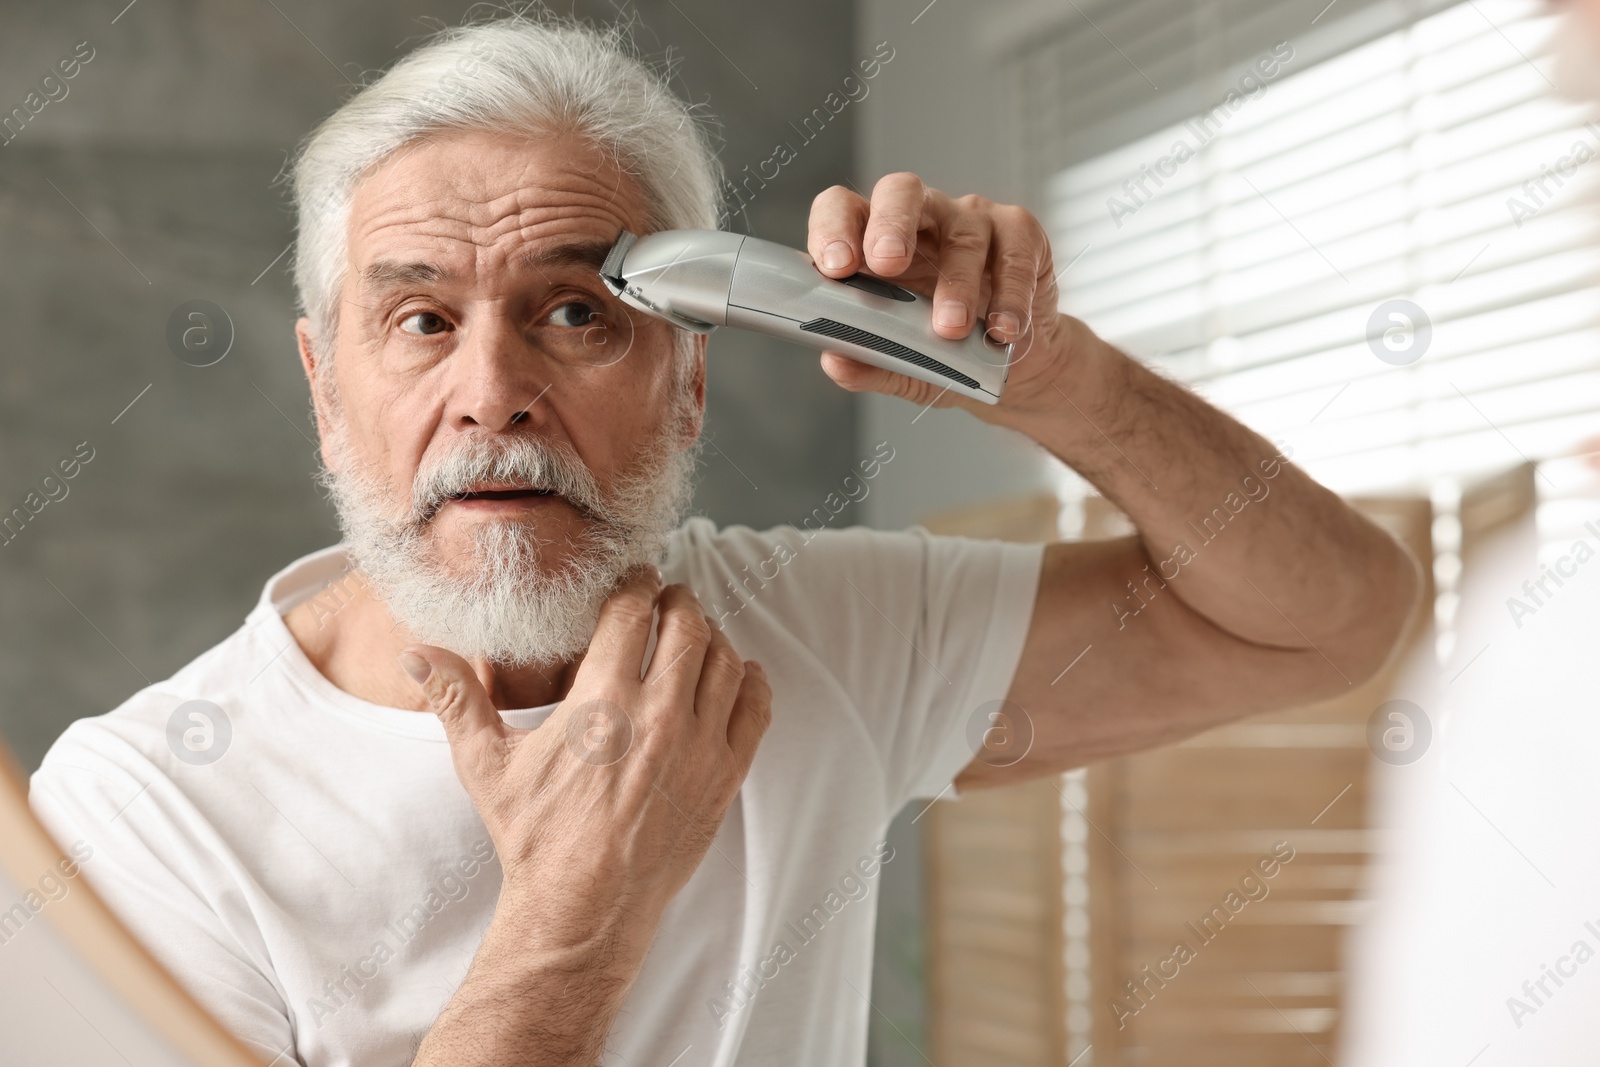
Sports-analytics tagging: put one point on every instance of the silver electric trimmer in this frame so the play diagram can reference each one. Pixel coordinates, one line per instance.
(702, 279)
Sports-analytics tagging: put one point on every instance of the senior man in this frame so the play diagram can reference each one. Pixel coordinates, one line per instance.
(499, 790)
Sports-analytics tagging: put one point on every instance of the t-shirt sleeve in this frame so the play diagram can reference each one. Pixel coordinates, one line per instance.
(977, 603)
(150, 863)
(923, 632)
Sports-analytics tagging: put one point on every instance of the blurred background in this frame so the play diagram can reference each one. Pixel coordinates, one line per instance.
(1367, 227)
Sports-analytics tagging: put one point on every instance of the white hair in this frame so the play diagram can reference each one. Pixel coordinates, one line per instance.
(530, 76)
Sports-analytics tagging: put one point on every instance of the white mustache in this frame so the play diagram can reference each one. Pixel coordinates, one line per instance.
(521, 461)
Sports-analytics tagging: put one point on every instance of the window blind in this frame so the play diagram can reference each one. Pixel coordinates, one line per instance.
(1374, 236)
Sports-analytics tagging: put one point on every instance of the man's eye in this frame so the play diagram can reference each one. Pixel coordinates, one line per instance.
(424, 322)
(573, 313)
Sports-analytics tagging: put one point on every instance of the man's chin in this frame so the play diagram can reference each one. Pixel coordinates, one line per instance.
(508, 590)
(461, 523)
(465, 542)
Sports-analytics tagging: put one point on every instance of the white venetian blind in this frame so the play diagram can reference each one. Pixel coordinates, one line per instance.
(1385, 160)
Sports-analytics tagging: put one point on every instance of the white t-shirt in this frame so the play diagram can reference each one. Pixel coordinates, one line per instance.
(323, 884)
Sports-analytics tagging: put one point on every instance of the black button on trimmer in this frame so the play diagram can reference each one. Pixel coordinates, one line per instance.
(877, 286)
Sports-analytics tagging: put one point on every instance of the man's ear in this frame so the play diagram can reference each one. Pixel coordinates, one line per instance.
(696, 423)
(305, 340)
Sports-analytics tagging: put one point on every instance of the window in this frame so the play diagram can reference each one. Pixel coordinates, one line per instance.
(1369, 229)
(1385, 256)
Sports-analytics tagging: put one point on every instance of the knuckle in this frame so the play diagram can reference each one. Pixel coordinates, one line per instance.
(892, 221)
(629, 605)
(895, 180)
(1037, 235)
(1015, 261)
(832, 193)
(758, 715)
(906, 388)
(452, 698)
(762, 712)
(1014, 215)
(967, 241)
(690, 624)
(724, 664)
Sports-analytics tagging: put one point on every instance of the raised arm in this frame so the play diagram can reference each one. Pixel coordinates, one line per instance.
(1247, 587)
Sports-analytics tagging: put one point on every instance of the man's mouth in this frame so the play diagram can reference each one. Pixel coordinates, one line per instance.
(488, 493)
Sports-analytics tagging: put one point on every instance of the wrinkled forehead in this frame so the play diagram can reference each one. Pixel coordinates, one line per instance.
(488, 200)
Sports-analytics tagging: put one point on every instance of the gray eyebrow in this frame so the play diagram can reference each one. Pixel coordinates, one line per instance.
(587, 252)
(388, 272)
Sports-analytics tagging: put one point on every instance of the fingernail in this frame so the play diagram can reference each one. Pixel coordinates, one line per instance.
(418, 668)
(655, 573)
(836, 255)
(889, 247)
(950, 313)
(1003, 322)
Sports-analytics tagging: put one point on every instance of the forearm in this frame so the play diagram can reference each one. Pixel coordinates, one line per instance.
(1245, 538)
(532, 1004)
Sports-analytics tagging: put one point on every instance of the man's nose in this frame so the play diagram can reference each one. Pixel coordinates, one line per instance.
(498, 378)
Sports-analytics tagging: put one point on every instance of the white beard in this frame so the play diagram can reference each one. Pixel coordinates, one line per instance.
(503, 604)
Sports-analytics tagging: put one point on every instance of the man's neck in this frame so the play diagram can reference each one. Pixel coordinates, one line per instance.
(353, 641)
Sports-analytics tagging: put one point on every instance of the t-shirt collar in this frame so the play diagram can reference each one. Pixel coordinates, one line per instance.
(299, 582)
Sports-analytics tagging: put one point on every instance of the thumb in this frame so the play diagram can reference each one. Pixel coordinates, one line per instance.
(454, 694)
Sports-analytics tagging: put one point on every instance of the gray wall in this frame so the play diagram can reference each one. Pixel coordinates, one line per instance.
(151, 184)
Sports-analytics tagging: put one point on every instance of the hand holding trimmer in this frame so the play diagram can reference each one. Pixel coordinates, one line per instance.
(702, 279)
